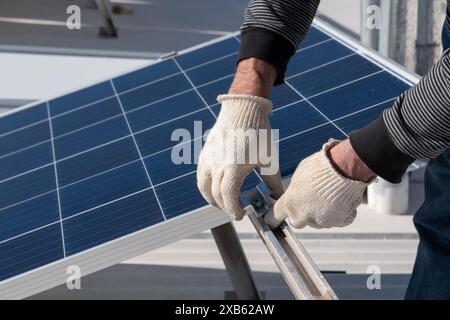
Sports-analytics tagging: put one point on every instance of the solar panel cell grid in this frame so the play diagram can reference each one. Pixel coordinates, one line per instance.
(208, 54)
(306, 143)
(111, 221)
(158, 138)
(81, 98)
(95, 165)
(145, 76)
(29, 215)
(318, 54)
(31, 250)
(103, 188)
(357, 95)
(25, 138)
(20, 120)
(27, 186)
(163, 112)
(103, 110)
(154, 92)
(296, 117)
(17, 163)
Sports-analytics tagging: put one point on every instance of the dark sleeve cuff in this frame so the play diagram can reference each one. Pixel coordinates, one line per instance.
(374, 145)
(268, 46)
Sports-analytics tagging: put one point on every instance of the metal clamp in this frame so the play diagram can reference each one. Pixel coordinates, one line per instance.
(258, 200)
(298, 269)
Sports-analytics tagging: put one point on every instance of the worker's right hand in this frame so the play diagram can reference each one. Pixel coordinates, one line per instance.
(227, 157)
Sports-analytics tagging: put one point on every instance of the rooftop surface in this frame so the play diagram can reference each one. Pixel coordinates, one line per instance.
(154, 27)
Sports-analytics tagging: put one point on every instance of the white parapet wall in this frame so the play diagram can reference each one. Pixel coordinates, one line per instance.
(27, 76)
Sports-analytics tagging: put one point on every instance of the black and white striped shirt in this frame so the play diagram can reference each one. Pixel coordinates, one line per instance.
(417, 126)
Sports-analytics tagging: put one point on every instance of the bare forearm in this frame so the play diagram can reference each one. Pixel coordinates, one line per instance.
(253, 77)
(347, 162)
(273, 30)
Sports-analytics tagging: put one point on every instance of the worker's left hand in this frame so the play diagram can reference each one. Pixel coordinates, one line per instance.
(319, 195)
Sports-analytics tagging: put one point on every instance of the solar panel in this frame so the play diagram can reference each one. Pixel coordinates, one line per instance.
(87, 179)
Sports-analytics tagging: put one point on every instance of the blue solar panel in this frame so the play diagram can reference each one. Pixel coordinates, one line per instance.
(95, 165)
(109, 222)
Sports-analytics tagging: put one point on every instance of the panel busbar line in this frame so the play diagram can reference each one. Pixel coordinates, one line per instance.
(87, 178)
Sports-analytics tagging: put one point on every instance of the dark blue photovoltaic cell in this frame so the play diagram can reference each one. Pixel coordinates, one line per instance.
(81, 98)
(145, 75)
(212, 90)
(23, 118)
(363, 118)
(313, 36)
(313, 57)
(26, 160)
(90, 137)
(96, 161)
(208, 53)
(164, 111)
(177, 199)
(213, 71)
(154, 92)
(251, 181)
(103, 188)
(333, 75)
(27, 186)
(85, 116)
(216, 109)
(30, 251)
(282, 95)
(111, 221)
(296, 118)
(162, 167)
(359, 95)
(28, 215)
(24, 138)
(298, 147)
(160, 138)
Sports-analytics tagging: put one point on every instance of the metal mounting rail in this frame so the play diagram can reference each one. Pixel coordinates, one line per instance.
(298, 269)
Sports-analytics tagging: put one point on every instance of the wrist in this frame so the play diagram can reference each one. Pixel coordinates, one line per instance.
(345, 160)
(253, 77)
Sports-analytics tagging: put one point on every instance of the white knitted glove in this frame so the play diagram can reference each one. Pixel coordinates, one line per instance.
(219, 175)
(318, 195)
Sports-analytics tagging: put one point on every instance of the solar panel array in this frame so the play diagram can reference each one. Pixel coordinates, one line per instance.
(95, 165)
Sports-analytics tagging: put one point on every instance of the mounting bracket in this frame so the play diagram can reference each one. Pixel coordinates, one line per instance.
(298, 269)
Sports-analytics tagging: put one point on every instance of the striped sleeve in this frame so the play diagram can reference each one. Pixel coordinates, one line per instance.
(417, 126)
(419, 122)
(273, 30)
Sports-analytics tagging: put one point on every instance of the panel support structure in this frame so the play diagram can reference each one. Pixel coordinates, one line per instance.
(300, 272)
(236, 263)
(109, 29)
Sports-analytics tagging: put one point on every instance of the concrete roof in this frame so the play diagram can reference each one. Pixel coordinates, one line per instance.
(28, 76)
(155, 27)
